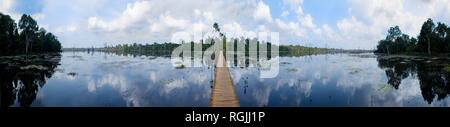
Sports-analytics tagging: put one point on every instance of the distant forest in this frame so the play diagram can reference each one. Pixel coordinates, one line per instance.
(284, 49)
(25, 37)
(433, 39)
(289, 50)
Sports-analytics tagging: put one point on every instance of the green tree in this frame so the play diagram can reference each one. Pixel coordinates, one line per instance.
(441, 34)
(28, 26)
(447, 41)
(8, 34)
(41, 38)
(217, 28)
(393, 33)
(389, 44)
(425, 36)
(412, 45)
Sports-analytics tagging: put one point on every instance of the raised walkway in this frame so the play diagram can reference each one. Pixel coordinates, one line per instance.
(223, 93)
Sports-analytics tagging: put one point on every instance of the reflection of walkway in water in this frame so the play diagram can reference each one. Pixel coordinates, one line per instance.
(223, 94)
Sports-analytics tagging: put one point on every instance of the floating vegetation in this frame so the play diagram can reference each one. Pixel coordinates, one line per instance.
(179, 67)
(37, 67)
(292, 70)
(245, 80)
(324, 77)
(6, 57)
(383, 88)
(364, 55)
(166, 82)
(447, 69)
(73, 74)
(440, 91)
(4, 62)
(355, 70)
(75, 56)
(284, 63)
(59, 70)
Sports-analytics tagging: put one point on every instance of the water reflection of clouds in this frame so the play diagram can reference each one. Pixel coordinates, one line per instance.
(261, 89)
(345, 81)
(141, 81)
(340, 80)
(407, 94)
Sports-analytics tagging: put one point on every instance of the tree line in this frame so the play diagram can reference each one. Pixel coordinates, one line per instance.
(144, 47)
(25, 37)
(433, 39)
(169, 46)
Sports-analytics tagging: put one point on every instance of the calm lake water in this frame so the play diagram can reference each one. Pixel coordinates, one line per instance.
(107, 79)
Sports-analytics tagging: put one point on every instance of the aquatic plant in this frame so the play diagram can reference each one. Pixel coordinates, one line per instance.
(180, 67)
(292, 70)
(37, 67)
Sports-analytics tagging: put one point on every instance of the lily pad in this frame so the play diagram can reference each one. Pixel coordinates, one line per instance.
(383, 87)
(37, 67)
(283, 63)
(447, 67)
(72, 73)
(439, 90)
(166, 82)
(292, 70)
(355, 70)
(59, 70)
(179, 67)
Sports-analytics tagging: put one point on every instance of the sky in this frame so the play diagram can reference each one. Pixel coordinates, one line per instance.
(347, 24)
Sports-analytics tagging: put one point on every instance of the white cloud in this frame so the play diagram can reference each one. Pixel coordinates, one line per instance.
(65, 29)
(299, 10)
(293, 2)
(386, 14)
(307, 21)
(370, 19)
(233, 30)
(291, 27)
(46, 26)
(356, 33)
(330, 33)
(6, 9)
(5, 5)
(284, 13)
(133, 14)
(38, 16)
(262, 12)
(156, 21)
(171, 22)
(197, 12)
(71, 28)
(208, 16)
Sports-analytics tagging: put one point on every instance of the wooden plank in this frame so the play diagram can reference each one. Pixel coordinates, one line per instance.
(223, 94)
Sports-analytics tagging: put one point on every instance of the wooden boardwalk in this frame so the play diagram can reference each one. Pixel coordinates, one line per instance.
(223, 93)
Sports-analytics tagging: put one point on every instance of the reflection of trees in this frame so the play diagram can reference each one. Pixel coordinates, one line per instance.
(159, 53)
(432, 77)
(23, 84)
(396, 70)
(433, 81)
